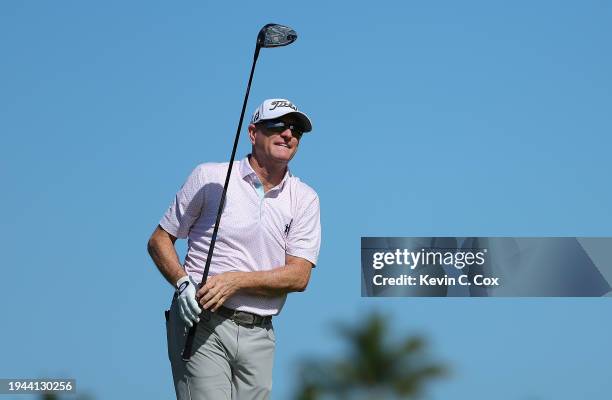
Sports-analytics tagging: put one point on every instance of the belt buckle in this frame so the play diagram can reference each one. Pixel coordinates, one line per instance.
(243, 318)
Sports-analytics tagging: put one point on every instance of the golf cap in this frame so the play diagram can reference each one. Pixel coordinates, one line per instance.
(276, 108)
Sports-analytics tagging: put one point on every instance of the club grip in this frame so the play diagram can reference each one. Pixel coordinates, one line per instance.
(187, 350)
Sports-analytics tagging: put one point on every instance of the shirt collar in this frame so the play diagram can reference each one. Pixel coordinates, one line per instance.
(246, 171)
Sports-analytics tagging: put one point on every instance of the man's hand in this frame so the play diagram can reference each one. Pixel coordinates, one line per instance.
(188, 306)
(218, 289)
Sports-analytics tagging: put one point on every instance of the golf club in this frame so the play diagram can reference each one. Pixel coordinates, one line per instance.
(271, 35)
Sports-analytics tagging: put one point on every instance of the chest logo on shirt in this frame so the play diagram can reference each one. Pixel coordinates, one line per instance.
(288, 227)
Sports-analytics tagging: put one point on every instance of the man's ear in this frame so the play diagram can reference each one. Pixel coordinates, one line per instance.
(251, 129)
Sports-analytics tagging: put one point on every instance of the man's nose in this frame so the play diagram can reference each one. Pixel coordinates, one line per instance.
(287, 134)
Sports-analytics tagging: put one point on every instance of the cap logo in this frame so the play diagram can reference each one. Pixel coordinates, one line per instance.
(276, 104)
(256, 116)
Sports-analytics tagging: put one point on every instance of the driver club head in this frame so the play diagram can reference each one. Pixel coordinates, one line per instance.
(275, 35)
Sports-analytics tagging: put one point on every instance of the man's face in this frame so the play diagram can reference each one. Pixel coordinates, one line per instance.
(274, 141)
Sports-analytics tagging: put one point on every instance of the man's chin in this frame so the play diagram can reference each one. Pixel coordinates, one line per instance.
(281, 161)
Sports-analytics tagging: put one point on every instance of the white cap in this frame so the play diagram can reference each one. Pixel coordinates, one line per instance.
(276, 108)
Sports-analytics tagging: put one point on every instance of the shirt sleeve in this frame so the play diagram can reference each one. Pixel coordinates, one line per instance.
(186, 207)
(304, 239)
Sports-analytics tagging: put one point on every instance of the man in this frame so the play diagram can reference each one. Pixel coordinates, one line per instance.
(267, 244)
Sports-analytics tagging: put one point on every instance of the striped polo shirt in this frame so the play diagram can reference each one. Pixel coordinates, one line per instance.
(257, 229)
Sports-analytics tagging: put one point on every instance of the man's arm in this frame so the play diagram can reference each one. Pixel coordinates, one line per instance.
(292, 277)
(162, 251)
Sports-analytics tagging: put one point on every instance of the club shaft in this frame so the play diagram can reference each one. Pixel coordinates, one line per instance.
(187, 350)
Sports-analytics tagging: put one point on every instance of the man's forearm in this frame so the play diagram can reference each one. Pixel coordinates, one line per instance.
(292, 277)
(276, 282)
(162, 251)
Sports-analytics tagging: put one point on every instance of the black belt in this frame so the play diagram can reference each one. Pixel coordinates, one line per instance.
(243, 317)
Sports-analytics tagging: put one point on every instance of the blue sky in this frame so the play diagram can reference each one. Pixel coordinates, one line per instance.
(431, 118)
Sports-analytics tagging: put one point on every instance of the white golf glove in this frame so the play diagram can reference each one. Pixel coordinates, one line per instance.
(188, 306)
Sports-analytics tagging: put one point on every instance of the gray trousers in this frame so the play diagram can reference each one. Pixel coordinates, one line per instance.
(229, 361)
